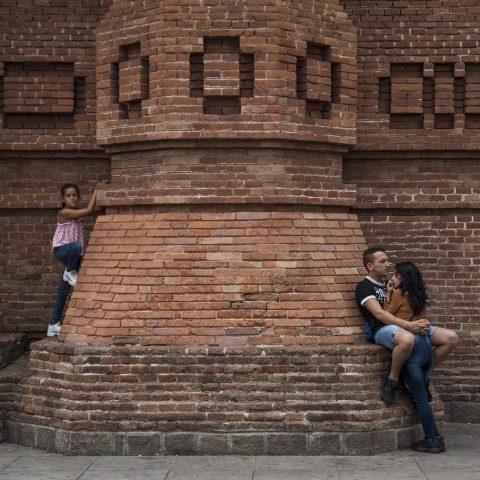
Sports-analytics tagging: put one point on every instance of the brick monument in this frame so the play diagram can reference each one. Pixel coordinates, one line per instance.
(251, 151)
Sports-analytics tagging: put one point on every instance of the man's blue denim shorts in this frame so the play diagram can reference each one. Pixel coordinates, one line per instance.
(385, 336)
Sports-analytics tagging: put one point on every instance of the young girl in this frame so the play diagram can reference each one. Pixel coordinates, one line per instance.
(68, 246)
(407, 299)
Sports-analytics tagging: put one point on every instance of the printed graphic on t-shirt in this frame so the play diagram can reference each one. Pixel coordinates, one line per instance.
(381, 295)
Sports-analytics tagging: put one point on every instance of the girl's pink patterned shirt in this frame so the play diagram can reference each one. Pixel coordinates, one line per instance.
(68, 233)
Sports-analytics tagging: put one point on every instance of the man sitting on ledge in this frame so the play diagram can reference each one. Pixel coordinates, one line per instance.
(392, 332)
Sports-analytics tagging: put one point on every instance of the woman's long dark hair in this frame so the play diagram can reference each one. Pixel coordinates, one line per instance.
(412, 285)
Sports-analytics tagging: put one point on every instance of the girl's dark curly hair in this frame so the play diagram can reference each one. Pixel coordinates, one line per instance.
(412, 285)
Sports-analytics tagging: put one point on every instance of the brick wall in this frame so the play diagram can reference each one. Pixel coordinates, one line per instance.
(29, 194)
(418, 69)
(423, 210)
(417, 74)
(47, 75)
(47, 103)
(248, 275)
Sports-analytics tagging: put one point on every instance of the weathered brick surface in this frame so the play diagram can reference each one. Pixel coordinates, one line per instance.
(239, 277)
(297, 389)
(11, 347)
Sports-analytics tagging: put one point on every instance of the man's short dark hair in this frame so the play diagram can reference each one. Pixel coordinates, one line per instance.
(369, 253)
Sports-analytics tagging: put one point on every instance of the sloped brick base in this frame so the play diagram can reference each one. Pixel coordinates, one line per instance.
(175, 400)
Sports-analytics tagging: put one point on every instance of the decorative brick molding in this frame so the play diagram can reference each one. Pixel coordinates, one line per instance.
(231, 78)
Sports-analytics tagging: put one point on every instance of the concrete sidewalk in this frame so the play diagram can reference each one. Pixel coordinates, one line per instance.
(461, 461)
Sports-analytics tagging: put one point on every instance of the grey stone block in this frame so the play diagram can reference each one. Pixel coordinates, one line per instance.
(143, 444)
(212, 444)
(120, 444)
(88, 443)
(180, 443)
(62, 441)
(286, 444)
(248, 444)
(10, 432)
(45, 439)
(325, 444)
(26, 435)
(370, 443)
(406, 437)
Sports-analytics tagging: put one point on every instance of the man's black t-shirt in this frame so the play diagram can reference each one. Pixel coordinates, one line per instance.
(367, 289)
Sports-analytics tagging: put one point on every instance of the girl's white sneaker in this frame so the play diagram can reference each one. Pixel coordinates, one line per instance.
(70, 277)
(53, 330)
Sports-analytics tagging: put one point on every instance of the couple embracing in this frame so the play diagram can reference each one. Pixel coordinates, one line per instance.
(394, 313)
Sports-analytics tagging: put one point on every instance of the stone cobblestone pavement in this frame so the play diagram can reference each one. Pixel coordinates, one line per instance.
(461, 461)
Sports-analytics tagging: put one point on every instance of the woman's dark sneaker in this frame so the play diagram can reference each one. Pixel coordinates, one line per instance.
(428, 445)
(441, 441)
(389, 388)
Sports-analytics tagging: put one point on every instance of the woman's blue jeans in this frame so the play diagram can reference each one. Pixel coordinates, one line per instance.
(70, 255)
(416, 374)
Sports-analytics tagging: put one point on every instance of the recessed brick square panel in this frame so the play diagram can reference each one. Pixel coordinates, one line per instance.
(444, 95)
(222, 74)
(318, 80)
(130, 83)
(472, 88)
(133, 80)
(38, 88)
(407, 90)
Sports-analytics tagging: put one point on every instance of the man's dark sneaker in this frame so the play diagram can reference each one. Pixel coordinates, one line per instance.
(388, 390)
(429, 393)
(441, 441)
(428, 445)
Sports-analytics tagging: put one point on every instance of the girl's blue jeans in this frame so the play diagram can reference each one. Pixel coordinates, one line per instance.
(416, 374)
(70, 255)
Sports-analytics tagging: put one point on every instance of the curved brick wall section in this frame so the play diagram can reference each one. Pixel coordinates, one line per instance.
(241, 70)
(173, 400)
(227, 173)
(245, 277)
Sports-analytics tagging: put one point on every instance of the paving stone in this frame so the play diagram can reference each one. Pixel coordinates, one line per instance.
(129, 468)
(378, 468)
(212, 468)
